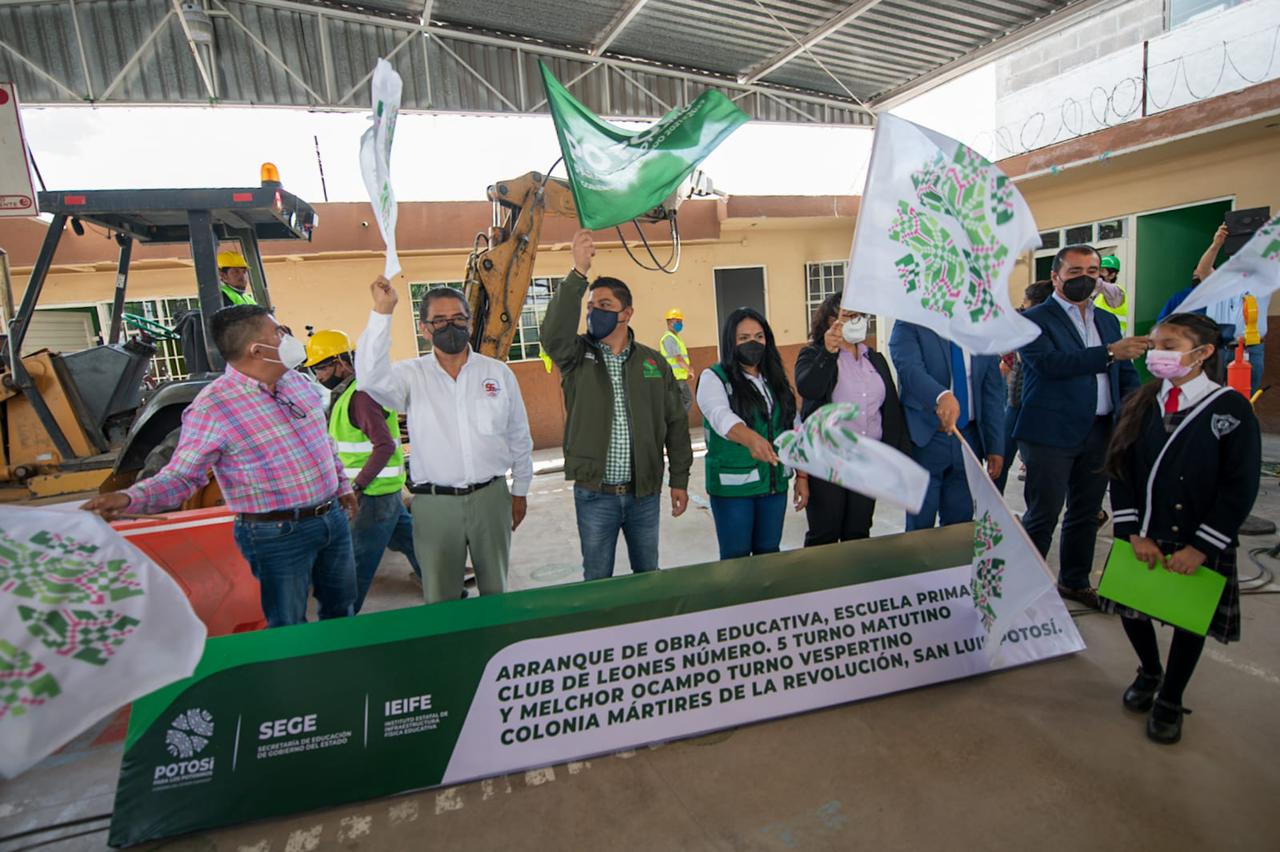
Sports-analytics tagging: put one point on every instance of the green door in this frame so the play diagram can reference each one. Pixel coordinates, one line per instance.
(1168, 248)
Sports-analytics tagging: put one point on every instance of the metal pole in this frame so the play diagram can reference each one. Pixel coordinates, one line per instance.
(1146, 47)
(6, 290)
(122, 277)
(204, 254)
(22, 380)
(257, 275)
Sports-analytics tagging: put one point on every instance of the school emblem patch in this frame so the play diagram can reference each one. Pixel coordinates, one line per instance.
(491, 387)
(651, 370)
(1223, 424)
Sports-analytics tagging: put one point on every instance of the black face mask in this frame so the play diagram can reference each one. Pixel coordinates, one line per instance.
(333, 381)
(750, 353)
(601, 323)
(451, 339)
(1079, 288)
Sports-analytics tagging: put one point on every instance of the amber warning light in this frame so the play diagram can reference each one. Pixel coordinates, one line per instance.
(270, 174)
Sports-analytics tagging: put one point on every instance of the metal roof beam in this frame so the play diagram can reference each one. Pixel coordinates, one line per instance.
(616, 26)
(773, 63)
(38, 70)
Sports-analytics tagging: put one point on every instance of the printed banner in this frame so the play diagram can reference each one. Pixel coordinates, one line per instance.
(617, 175)
(375, 157)
(468, 689)
(17, 193)
(937, 235)
(87, 624)
(1255, 269)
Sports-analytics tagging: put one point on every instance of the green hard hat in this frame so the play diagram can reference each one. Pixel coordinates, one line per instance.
(1111, 262)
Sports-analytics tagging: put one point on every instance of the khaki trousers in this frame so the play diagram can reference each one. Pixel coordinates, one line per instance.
(445, 528)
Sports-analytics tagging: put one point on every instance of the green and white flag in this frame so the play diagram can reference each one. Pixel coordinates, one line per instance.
(939, 229)
(1255, 269)
(826, 446)
(375, 156)
(617, 175)
(1009, 574)
(88, 623)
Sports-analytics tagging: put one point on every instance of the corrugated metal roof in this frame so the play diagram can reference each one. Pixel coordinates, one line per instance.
(482, 55)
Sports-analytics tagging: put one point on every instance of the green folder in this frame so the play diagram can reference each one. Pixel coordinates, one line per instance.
(1183, 600)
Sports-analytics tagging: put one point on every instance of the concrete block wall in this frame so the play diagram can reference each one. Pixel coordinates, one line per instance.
(1099, 36)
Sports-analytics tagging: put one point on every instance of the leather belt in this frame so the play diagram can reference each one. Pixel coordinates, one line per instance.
(447, 490)
(602, 488)
(287, 514)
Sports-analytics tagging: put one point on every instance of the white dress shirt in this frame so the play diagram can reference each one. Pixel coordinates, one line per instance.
(465, 431)
(1088, 330)
(1192, 391)
(714, 401)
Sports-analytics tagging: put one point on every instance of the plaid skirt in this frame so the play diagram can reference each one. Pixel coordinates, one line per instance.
(1225, 625)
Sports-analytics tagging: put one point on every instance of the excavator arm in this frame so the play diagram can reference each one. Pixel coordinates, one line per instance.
(501, 264)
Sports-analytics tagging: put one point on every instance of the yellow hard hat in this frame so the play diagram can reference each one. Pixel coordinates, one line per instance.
(675, 314)
(325, 344)
(231, 260)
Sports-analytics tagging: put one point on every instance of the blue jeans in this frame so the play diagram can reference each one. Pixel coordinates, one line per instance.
(290, 557)
(947, 501)
(747, 526)
(602, 516)
(1255, 365)
(382, 523)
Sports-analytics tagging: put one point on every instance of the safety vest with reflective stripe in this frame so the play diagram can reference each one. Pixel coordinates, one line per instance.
(235, 297)
(354, 447)
(1121, 313)
(681, 374)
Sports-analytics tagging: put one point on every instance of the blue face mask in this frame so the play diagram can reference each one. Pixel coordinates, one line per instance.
(677, 326)
(601, 323)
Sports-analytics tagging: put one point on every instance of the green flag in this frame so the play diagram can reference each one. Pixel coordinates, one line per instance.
(618, 175)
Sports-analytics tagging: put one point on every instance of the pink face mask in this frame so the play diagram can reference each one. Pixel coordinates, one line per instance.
(1166, 364)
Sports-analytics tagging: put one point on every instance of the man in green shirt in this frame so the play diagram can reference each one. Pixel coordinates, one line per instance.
(623, 409)
(233, 278)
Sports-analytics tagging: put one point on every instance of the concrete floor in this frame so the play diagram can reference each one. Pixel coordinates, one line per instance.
(1042, 756)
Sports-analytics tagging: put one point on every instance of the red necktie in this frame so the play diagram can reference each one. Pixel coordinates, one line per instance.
(1171, 404)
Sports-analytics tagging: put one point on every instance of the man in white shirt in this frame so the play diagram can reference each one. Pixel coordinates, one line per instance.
(468, 428)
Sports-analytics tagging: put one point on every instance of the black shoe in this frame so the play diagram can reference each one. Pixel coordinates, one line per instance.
(1087, 596)
(1164, 725)
(1141, 694)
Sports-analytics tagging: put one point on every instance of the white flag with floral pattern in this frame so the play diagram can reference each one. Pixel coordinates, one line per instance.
(88, 623)
(1009, 574)
(826, 446)
(939, 229)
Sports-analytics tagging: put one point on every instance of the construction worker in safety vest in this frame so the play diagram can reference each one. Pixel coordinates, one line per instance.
(1110, 296)
(233, 276)
(368, 440)
(677, 355)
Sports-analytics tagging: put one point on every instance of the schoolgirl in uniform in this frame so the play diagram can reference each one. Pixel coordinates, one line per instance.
(1184, 463)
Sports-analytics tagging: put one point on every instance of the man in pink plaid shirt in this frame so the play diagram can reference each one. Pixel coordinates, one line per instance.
(263, 430)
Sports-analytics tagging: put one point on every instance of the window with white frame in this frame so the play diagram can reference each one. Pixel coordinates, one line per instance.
(525, 345)
(416, 292)
(168, 362)
(821, 280)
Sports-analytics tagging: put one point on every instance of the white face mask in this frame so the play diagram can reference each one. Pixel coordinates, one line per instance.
(291, 350)
(855, 330)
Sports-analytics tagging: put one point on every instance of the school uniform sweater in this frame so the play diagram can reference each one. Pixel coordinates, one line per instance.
(1196, 484)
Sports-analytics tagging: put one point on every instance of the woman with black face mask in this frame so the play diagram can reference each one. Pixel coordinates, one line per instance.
(747, 401)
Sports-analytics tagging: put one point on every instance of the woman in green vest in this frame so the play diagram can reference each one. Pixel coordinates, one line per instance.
(746, 402)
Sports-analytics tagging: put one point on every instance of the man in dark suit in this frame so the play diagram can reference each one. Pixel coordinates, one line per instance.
(944, 387)
(1075, 375)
